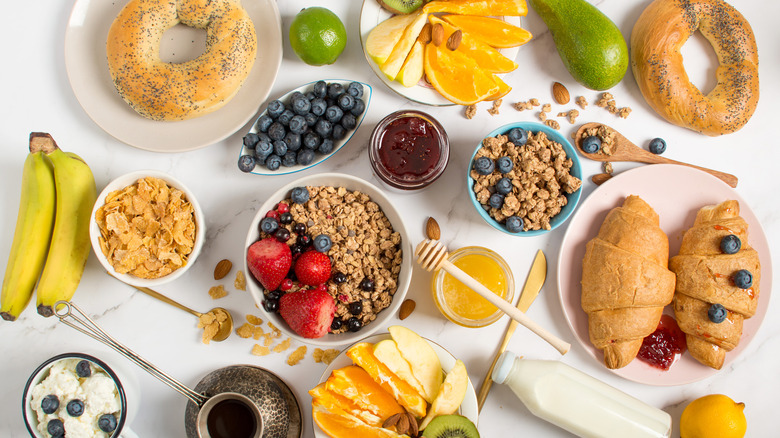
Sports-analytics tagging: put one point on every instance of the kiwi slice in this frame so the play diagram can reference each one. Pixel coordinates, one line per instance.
(401, 6)
(450, 426)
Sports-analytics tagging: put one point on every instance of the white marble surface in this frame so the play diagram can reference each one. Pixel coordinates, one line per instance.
(37, 97)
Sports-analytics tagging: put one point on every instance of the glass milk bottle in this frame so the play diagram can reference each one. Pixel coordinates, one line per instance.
(577, 402)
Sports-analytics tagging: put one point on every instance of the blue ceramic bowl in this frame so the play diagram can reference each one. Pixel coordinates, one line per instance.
(576, 170)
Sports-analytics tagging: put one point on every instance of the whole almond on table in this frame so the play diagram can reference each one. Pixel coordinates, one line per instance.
(560, 93)
(454, 40)
(222, 269)
(432, 229)
(437, 34)
(407, 307)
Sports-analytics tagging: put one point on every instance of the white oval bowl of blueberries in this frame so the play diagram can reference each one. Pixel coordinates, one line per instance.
(304, 127)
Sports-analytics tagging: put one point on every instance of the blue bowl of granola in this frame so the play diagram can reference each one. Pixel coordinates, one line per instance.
(524, 179)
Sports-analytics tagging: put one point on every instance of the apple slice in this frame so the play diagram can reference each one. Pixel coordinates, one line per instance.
(423, 360)
(395, 61)
(412, 70)
(383, 38)
(451, 393)
(388, 353)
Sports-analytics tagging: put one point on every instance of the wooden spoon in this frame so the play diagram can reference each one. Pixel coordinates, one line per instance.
(431, 255)
(627, 151)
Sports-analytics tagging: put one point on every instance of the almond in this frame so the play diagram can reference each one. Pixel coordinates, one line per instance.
(391, 421)
(432, 229)
(413, 426)
(407, 307)
(454, 40)
(437, 34)
(560, 93)
(425, 34)
(222, 269)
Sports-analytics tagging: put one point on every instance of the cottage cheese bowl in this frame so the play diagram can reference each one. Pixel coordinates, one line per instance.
(386, 299)
(77, 393)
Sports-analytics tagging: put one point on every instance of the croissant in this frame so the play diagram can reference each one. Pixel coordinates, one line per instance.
(625, 281)
(705, 278)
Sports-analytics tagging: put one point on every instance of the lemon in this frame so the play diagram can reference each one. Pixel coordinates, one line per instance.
(317, 36)
(714, 415)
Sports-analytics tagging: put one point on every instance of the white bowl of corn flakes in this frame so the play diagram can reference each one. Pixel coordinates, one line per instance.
(146, 228)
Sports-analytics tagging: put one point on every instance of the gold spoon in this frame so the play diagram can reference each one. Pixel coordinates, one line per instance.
(432, 254)
(225, 327)
(625, 150)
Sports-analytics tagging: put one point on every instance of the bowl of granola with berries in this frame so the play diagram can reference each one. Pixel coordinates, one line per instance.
(328, 259)
(524, 179)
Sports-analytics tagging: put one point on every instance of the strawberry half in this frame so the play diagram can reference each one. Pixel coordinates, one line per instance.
(312, 268)
(269, 261)
(309, 312)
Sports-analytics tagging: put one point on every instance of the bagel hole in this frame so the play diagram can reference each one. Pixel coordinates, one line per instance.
(700, 62)
(182, 43)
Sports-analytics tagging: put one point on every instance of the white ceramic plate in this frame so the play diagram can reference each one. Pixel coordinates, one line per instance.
(468, 408)
(676, 193)
(319, 158)
(85, 61)
(372, 14)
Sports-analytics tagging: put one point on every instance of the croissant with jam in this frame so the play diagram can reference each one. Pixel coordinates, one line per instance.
(717, 282)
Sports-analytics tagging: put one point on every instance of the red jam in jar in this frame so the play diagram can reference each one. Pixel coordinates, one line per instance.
(664, 345)
(408, 150)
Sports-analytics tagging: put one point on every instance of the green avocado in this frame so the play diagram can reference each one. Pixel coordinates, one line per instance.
(589, 43)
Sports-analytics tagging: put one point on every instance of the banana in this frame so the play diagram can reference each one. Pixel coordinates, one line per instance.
(70, 245)
(32, 234)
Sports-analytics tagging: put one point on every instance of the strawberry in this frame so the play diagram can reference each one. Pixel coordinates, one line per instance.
(312, 268)
(269, 261)
(309, 312)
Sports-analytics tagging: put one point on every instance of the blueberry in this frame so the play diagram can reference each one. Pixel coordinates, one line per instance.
(333, 114)
(320, 89)
(335, 90)
(311, 140)
(591, 144)
(264, 122)
(514, 224)
(285, 117)
(262, 136)
(339, 277)
(298, 124)
(299, 195)
(276, 131)
(301, 106)
(107, 423)
(318, 106)
(273, 162)
(270, 305)
(355, 89)
(289, 159)
(299, 228)
(275, 108)
(322, 243)
(346, 101)
(250, 140)
(282, 234)
(246, 163)
(504, 186)
(742, 279)
(55, 428)
(505, 164)
(484, 165)
(295, 95)
(349, 121)
(339, 133)
(263, 150)
(336, 324)
(366, 284)
(75, 408)
(311, 120)
(354, 324)
(358, 109)
(293, 141)
(356, 307)
(286, 218)
(280, 147)
(496, 200)
(518, 136)
(269, 225)
(657, 146)
(730, 244)
(304, 157)
(50, 404)
(83, 368)
(717, 313)
(326, 146)
(323, 128)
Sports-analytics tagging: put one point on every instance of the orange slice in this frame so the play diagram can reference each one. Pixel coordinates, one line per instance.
(362, 354)
(353, 383)
(488, 58)
(485, 7)
(503, 89)
(492, 31)
(456, 76)
(337, 404)
(338, 426)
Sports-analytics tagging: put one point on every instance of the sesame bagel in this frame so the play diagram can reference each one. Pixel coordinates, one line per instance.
(162, 90)
(656, 40)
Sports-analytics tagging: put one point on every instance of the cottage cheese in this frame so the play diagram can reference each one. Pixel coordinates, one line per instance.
(98, 392)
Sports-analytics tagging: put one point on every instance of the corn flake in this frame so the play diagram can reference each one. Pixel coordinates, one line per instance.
(240, 282)
(259, 350)
(296, 356)
(254, 320)
(217, 292)
(325, 356)
(282, 346)
(245, 331)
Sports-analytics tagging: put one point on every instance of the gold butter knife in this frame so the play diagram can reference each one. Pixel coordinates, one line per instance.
(533, 284)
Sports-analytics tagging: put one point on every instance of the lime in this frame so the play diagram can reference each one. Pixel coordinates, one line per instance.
(714, 415)
(317, 36)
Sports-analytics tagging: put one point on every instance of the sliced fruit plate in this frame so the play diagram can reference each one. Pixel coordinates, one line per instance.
(426, 388)
(401, 53)
(304, 127)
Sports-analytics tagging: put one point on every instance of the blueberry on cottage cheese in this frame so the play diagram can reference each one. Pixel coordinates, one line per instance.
(717, 313)
(505, 164)
(246, 163)
(50, 404)
(730, 244)
(657, 146)
(591, 144)
(55, 428)
(484, 165)
(75, 408)
(518, 136)
(514, 224)
(107, 423)
(83, 369)
(742, 279)
(504, 186)
(300, 195)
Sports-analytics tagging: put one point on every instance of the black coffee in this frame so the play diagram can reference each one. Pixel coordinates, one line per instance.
(231, 419)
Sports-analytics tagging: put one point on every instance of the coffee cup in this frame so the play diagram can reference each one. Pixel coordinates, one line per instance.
(229, 415)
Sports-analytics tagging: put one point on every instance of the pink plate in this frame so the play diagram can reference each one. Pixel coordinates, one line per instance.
(676, 193)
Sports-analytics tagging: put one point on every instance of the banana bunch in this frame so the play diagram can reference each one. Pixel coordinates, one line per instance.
(51, 240)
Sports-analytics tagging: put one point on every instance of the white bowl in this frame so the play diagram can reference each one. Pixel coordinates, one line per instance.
(404, 276)
(124, 181)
